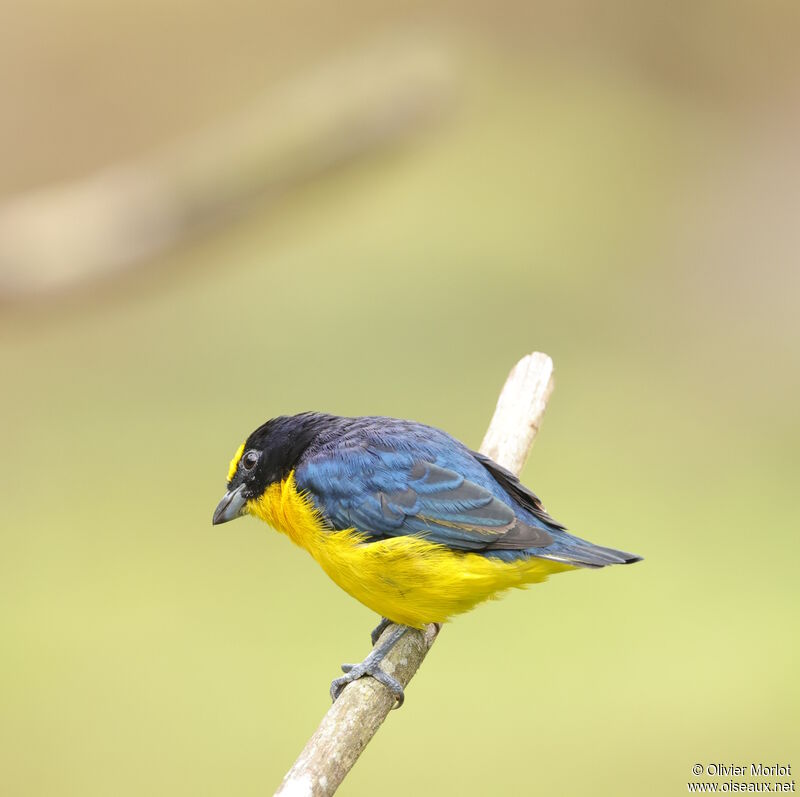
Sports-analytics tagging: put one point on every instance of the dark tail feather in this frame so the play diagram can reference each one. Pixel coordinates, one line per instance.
(588, 555)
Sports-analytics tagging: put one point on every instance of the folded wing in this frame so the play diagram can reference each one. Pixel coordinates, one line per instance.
(383, 492)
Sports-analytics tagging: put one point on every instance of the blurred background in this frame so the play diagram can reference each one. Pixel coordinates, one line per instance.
(210, 215)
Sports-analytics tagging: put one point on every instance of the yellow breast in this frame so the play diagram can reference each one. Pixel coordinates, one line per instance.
(407, 579)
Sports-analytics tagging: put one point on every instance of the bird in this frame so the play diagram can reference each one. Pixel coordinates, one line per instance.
(403, 517)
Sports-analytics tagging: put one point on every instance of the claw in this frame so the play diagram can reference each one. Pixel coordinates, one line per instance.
(337, 685)
(393, 685)
(356, 671)
(371, 666)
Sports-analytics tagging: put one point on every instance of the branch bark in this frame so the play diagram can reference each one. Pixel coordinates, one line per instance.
(364, 704)
(361, 103)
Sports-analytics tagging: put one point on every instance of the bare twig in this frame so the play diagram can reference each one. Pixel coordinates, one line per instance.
(364, 704)
(59, 235)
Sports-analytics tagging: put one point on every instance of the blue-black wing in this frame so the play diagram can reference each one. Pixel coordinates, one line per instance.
(416, 483)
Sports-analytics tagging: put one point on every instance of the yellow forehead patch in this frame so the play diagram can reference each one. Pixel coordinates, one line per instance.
(235, 462)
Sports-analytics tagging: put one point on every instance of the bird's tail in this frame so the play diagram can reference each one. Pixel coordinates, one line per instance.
(582, 553)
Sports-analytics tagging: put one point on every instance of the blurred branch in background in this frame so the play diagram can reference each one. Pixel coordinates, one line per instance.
(61, 235)
(356, 716)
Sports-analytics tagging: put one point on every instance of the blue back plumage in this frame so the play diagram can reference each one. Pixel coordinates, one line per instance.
(387, 477)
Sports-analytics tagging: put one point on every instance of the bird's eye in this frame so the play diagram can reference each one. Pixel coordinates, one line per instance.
(249, 460)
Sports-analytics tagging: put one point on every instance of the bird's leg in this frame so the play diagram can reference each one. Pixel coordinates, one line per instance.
(371, 666)
(379, 629)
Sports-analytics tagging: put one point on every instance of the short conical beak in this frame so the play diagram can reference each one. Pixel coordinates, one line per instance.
(232, 505)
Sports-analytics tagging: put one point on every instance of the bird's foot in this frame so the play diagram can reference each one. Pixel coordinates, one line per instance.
(379, 629)
(356, 671)
(372, 666)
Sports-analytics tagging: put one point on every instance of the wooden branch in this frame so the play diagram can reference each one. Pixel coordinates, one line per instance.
(519, 412)
(61, 235)
(364, 704)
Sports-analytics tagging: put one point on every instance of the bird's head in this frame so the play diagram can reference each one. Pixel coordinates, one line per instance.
(267, 456)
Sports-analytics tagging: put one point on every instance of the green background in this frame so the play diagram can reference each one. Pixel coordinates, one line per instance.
(634, 223)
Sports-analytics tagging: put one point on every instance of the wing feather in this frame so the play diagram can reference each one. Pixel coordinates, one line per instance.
(384, 492)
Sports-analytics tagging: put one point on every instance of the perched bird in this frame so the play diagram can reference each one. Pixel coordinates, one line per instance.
(402, 516)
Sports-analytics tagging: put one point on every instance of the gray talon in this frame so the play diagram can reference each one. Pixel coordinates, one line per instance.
(371, 666)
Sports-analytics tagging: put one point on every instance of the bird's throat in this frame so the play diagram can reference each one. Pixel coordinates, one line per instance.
(284, 508)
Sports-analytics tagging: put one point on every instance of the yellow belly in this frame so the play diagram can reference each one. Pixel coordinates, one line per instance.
(407, 579)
